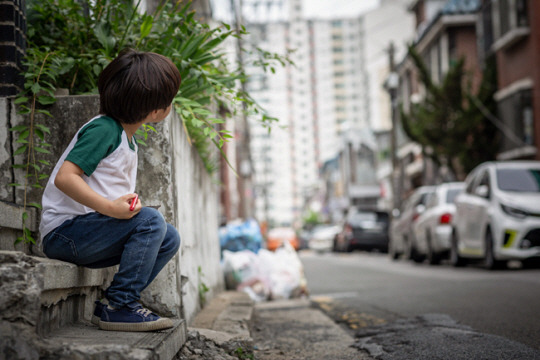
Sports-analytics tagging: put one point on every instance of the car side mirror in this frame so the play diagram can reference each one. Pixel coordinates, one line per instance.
(482, 191)
(396, 213)
(420, 208)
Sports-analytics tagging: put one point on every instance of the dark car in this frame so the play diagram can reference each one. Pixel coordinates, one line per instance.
(363, 229)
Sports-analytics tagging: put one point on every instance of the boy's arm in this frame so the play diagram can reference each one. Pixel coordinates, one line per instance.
(69, 180)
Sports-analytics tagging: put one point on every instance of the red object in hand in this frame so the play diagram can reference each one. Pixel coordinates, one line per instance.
(133, 202)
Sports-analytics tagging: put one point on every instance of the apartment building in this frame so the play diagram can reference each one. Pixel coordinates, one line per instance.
(511, 31)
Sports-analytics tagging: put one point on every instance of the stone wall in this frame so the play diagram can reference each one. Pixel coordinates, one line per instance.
(171, 175)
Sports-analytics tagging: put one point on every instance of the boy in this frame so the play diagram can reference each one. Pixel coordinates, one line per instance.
(91, 215)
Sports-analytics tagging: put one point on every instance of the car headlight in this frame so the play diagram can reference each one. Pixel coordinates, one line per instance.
(512, 211)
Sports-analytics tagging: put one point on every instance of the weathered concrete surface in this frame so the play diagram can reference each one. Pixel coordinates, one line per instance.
(6, 171)
(293, 330)
(437, 336)
(69, 113)
(221, 330)
(86, 341)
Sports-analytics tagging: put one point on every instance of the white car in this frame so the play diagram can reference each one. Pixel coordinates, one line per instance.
(433, 229)
(498, 215)
(322, 238)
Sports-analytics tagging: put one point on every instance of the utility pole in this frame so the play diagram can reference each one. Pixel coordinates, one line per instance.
(243, 154)
(391, 85)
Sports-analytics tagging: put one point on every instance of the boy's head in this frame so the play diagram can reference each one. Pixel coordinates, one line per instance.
(135, 84)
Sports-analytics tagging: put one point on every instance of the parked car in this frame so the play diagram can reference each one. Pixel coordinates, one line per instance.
(277, 236)
(401, 226)
(498, 215)
(363, 229)
(322, 237)
(433, 229)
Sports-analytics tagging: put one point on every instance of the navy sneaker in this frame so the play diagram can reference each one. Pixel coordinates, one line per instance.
(132, 319)
(96, 316)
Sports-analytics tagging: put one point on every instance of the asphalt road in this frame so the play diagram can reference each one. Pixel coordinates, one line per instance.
(361, 290)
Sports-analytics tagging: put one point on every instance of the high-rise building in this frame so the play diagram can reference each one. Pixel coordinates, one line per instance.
(319, 100)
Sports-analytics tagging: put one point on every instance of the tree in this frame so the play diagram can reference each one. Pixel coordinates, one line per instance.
(452, 129)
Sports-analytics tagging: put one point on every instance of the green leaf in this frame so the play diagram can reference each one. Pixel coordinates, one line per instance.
(35, 204)
(146, 26)
(46, 100)
(36, 87)
(24, 216)
(41, 111)
(19, 128)
(14, 184)
(39, 134)
(22, 99)
(41, 150)
(43, 128)
(23, 135)
(20, 150)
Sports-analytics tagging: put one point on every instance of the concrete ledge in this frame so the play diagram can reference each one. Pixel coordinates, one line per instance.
(60, 275)
(84, 341)
(11, 216)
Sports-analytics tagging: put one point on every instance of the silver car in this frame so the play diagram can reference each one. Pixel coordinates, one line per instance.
(433, 229)
(498, 215)
(401, 227)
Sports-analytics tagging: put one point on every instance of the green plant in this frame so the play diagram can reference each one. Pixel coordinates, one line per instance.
(38, 90)
(203, 289)
(243, 355)
(86, 35)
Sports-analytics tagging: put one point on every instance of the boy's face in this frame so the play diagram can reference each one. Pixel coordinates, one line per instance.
(160, 115)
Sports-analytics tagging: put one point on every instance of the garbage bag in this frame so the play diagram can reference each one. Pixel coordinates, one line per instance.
(238, 236)
(265, 275)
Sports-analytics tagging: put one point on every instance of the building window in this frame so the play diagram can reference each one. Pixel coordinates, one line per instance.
(510, 22)
(516, 112)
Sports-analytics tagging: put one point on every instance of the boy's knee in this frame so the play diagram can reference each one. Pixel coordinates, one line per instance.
(153, 217)
(173, 238)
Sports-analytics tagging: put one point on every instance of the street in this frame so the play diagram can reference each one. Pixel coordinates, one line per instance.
(362, 289)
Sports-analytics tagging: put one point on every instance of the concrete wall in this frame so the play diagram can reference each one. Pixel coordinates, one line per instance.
(170, 175)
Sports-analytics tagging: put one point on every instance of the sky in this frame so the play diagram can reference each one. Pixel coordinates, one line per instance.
(320, 9)
(326, 9)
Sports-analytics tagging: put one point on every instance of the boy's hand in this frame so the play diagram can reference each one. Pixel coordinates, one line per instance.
(120, 208)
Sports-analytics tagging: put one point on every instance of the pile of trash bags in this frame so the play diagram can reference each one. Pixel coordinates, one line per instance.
(237, 236)
(262, 274)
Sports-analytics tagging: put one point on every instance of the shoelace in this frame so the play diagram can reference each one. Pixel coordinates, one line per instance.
(144, 312)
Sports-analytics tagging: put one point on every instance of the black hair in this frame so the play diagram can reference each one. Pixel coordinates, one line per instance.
(136, 83)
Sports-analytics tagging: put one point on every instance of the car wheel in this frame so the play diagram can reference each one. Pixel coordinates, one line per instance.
(394, 255)
(432, 256)
(490, 262)
(455, 259)
(531, 263)
(412, 253)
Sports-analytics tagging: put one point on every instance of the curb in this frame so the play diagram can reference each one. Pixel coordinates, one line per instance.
(226, 317)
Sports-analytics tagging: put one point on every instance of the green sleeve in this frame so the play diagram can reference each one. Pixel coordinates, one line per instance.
(95, 141)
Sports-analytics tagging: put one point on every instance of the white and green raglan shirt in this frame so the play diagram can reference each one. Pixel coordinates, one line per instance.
(109, 161)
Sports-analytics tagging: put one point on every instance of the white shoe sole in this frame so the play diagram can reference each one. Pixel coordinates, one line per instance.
(161, 324)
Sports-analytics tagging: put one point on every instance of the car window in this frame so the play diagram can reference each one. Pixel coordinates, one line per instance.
(451, 195)
(484, 180)
(471, 182)
(520, 180)
(432, 200)
(362, 217)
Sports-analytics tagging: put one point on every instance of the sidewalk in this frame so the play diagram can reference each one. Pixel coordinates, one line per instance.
(231, 326)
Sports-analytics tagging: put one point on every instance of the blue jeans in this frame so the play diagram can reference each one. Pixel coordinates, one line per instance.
(141, 245)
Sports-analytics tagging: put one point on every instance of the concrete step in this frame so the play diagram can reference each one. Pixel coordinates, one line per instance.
(45, 311)
(86, 341)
